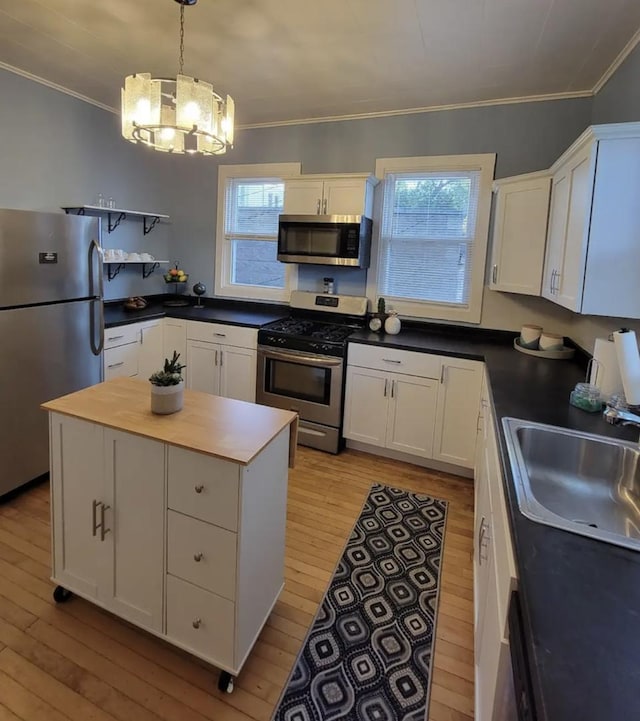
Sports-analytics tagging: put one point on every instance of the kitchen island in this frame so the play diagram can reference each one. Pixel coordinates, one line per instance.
(172, 522)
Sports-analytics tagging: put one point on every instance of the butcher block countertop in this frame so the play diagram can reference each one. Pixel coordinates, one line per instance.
(222, 427)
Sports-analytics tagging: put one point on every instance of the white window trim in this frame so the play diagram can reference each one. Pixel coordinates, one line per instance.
(485, 163)
(224, 289)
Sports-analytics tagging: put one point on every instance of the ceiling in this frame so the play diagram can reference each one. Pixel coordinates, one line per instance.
(294, 60)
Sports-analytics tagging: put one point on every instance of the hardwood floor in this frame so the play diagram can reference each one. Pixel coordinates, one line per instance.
(74, 661)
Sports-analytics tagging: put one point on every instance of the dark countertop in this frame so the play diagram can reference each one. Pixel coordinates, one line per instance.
(252, 315)
(580, 596)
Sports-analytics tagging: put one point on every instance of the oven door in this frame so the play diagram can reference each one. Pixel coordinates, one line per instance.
(304, 382)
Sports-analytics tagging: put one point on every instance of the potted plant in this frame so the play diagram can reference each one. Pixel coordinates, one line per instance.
(167, 387)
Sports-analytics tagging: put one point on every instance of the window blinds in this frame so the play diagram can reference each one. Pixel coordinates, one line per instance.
(252, 208)
(427, 236)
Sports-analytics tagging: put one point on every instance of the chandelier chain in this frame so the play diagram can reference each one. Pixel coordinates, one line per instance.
(181, 37)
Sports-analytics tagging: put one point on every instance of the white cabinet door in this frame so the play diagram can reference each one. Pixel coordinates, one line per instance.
(519, 235)
(366, 405)
(302, 197)
(175, 338)
(150, 353)
(557, 233)
(571, 278)
(344, 196)
(121, 362)
(457, 416)
(204, 372)
(412, 414)
(135, 496)
(482, 555)
(80, 557)
(488, 656)
(238, 368)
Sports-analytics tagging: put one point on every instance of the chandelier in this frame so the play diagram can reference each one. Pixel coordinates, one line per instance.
(184, 115)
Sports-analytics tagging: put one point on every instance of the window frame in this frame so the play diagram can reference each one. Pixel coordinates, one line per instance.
(223, 287)
(485, 164)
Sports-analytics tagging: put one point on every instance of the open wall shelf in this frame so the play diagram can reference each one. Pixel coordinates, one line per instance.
(115, 216)
(148, 266)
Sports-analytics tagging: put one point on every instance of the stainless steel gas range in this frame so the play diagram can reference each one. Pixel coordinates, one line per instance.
(301, 363)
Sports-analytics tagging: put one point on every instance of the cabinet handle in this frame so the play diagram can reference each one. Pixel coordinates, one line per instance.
(196, 623)
(386, 383)
(94, 515)
(220, 335)
(324, 207)
(558, 276)
(197, 557)
(442, 369)
(494, 275)
(115, 337)
(221, 356)
(115, 365)
(199, 488)
(216, 359)
(393, 383)
(482, 540)
(103, 530)
(318, 207)
(389, 360)
(141, 336)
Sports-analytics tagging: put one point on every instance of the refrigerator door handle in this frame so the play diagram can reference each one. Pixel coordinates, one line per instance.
(96, 347)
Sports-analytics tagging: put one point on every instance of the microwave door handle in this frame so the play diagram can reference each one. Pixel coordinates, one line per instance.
(302, 358)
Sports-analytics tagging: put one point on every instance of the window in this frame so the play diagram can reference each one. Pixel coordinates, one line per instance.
(433, 235)
(250, 199)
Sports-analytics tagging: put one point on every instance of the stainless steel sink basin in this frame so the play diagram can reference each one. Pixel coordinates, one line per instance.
(580, 482)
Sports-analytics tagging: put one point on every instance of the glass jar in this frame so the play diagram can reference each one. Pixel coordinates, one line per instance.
(587, 397)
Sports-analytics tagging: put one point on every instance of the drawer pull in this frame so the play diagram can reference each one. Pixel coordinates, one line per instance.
(115, 337)
(196, 623)
(197, 557)
(220, 335)
(388, 360)
(199, 488)
(115, 365)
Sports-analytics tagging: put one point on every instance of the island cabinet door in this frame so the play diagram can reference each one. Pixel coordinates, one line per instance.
(77, 484)
(135, 497)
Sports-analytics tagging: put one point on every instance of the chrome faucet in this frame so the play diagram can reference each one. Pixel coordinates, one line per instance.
(617, 415)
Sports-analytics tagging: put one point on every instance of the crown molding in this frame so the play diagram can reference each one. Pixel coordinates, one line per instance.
(55, 86)
(426, 109)
(622, 56)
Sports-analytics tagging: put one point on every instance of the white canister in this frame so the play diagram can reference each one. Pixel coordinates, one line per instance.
(530, 336)
(392, 324)
(551, 341)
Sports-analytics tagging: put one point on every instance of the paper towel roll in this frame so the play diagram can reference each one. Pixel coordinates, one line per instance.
(629, 363)
(605, 372)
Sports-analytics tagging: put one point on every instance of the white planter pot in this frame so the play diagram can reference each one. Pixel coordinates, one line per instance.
(167, 399)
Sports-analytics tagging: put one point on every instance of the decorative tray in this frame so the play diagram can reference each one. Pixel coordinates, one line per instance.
(563, 354)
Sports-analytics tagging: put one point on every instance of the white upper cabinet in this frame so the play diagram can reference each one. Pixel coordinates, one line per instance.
(519, 233)
(593, 244)
(329, 195)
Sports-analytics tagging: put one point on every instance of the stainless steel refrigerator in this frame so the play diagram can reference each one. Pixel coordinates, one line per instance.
(51, 329)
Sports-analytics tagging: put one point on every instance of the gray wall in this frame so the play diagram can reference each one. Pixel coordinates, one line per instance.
(56, 151)
(525, 136)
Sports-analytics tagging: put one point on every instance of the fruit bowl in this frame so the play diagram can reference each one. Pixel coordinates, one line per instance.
(176, 278)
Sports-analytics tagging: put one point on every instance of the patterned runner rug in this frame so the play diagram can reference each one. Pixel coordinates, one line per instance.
(367, 656)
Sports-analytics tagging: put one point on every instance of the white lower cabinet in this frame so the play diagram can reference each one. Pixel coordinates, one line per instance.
(222, 360)
(147, 530)
(108, 551)
(151, 348)
(133, 350)
(426, 406)
(494, 579)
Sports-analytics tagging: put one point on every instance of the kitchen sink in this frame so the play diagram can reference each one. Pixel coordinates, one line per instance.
(580, 482)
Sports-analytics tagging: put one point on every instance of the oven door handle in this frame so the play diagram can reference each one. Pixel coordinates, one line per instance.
(323, 361)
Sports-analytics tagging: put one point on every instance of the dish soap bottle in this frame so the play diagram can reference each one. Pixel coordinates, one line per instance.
(392, 323)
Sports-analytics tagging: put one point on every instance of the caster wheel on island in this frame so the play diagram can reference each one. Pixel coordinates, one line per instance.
(225, 682)
(61, 595)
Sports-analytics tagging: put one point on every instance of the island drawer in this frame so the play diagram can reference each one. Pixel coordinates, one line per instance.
(411, 363)
(121, 335)
(203, 487)
(202, 554)
(200, 621)
(121, 361)
(226, 334)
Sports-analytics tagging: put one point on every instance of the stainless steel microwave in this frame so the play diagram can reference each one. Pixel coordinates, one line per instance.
(325, 239)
